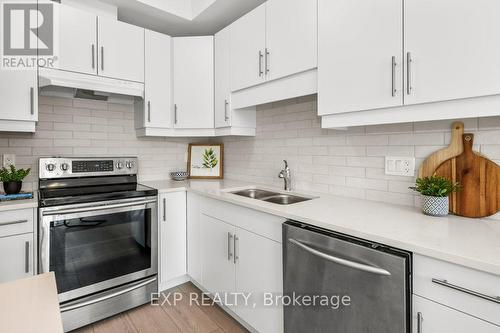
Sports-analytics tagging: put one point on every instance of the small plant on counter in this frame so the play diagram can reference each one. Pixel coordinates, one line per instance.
(12, 179)
(435, 191)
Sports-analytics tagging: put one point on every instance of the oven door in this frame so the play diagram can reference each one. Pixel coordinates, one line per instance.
(93, 247)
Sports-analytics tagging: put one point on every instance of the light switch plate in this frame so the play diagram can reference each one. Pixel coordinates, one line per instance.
(8, 160)
(400, 166)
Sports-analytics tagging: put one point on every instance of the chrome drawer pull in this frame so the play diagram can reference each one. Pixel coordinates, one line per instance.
(13, 222)
(445, 283)
(27, 257)
(340, 261)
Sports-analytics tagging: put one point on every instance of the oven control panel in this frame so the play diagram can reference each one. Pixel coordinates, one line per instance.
(60, 167)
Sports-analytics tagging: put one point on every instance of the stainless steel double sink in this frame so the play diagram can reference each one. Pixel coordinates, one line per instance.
(270, 196)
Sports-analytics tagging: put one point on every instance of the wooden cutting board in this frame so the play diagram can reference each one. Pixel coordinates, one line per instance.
(480, 179)
(429, 166)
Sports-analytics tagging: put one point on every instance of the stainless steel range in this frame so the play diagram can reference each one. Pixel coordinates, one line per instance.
(98, 232)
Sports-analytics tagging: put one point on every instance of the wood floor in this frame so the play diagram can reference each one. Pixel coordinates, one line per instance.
(169, 319)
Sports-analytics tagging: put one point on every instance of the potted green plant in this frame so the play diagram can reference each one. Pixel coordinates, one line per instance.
(435, 191)
(13, 179)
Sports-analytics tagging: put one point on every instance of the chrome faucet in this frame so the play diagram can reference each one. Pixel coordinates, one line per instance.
(285, 174)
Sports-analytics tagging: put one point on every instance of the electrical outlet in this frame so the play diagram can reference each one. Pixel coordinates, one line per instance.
(400, 166)
(8, 160)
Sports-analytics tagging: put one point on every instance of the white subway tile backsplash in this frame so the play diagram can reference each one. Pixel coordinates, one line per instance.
(72, 127)
(355, 160)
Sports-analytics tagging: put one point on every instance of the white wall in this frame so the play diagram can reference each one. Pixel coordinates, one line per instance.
(348, 163)
(77, 127)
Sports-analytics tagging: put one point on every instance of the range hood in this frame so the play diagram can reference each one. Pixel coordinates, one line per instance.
(58, 82)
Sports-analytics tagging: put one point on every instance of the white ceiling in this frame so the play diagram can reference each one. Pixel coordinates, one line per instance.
(183, 17)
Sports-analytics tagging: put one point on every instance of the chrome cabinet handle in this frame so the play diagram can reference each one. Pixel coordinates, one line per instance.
(165, 209)
(420, 319)
(27, 257)
(340, 261)
(32, 100)
(236, 239)
(393, 72)
(175, 113)
(267, 61)
(229, 254)
(102, 57)
(260, 63)
(445, 283)
(77, 305)
(226, 103)
(13, 222)
(149, 111)
(93, 56)
(409, 62)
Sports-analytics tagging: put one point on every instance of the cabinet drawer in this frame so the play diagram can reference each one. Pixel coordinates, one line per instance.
(431, 317)
(13, 222)
(468, 290)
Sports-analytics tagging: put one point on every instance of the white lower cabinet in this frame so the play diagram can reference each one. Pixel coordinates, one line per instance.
(172, 242)
(17, 257)
(217, 268)
(259, 271)
(236, 250)
(431, 317)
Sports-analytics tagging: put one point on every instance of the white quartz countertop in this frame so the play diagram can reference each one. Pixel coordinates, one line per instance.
(20, 204)
(30, 305)
(473, 243)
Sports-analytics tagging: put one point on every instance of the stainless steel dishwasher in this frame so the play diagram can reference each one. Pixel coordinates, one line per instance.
(324, 269)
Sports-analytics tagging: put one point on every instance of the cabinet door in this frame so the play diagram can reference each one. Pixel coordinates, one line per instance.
(291, 37)
(259, 271)
(193, 82)
(121, 50)
(157, 80)
(18, 95)
(172, 242)
(17, 261)
(77, 40)
(454, 49)
(222, 78)
(357, 41)
(248, 45)
(431, 317)
(217, 272)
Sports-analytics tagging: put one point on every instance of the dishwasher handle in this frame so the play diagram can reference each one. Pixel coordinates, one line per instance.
(340, 261)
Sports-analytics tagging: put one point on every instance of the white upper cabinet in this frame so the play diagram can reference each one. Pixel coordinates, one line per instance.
(275, 40)
(77, 40)
(291, 37)
(248, 47)
(193, 82)
(454, 49)
(18, 96)
(121, 50)
(222, 79)
(157, 81)
(359, 61)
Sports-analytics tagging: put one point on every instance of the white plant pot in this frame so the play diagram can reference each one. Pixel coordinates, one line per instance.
(435, 206)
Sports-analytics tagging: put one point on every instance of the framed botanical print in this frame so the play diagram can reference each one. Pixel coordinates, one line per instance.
(205, 161)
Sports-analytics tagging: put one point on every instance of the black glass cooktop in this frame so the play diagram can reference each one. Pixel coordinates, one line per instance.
(83, 194)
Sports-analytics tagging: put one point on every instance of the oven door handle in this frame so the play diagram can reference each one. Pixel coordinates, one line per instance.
(78, 305)
(97, 208)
